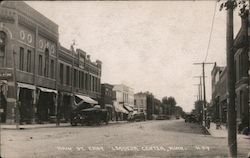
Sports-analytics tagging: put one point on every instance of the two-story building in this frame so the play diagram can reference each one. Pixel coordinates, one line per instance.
(39, 78)
(123, 101)
(219, 93)
(144, 103)
(241, 60)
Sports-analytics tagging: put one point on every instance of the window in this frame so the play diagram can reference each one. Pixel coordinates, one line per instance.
(52, 69)
(2, 47)
(46, 68)
(29, 61)
(80, 79)
(61, 73)
(67, 75)
(86, 81)
(75, 77)
(21, 58)
(83, 80)
(40, 65)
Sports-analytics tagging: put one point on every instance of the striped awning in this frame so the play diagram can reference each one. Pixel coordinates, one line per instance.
(47, 90)
(87, 99)
(119, 108)
(24, 85)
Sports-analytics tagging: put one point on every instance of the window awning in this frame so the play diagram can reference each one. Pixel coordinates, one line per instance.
(47, 90)
(28, 86)
(129, 108)
(87, 99)
(119, 108)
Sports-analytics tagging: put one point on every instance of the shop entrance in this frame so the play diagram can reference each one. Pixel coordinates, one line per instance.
(45, 106)
(26, 105)
(66, 108)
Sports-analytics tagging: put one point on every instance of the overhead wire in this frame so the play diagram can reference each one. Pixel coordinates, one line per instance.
(211, 31)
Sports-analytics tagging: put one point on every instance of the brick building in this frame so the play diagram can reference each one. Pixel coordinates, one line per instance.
(241, 60)
(242, 75)
(36, 72)
(219, 91)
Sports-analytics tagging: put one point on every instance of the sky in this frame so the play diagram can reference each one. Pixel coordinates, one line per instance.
(147, 45)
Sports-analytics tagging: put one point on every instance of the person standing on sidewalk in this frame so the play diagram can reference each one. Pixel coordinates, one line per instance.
(208, 123)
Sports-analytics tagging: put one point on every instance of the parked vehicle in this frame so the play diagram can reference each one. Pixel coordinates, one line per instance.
(162, 117)
(177, 117)
(89, 116)
(191, 118)
(137, 117)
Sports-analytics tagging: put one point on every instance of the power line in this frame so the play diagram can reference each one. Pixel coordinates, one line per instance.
(211, 31)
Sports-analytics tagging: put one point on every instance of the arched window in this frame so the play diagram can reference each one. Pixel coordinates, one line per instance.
(46, 68)
(2, 47)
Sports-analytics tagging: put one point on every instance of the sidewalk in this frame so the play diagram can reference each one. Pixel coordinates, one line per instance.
(46, 125)
(33, 126)
(221, 133)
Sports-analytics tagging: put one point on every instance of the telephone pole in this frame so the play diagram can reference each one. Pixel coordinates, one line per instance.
(231, 112)
(204, 90)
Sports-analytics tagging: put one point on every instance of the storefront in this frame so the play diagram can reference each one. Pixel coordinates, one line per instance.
(65, 106)
(46, 109)
(121, 113)
(111, 111)
(25, 93)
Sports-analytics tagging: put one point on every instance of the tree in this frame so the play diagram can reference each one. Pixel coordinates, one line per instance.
(168, 104)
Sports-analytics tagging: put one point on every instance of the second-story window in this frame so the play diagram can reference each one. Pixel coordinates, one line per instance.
(67, 75)
(29, 61)
(75, 77)
(61, 73)
(52, 69)
(2, 47)
(40, 65)
(21, 59)
(46, 67)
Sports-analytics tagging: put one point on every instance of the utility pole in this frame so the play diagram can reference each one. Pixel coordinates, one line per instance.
(204, 90)
(198, 96)
(231, 112)
(200, 90)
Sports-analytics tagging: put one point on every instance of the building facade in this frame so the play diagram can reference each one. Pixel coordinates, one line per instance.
(106, 100)
(39, 77)
(242, 75)
(145, 103)
(219, 93)
(241, 60)
(123, 100)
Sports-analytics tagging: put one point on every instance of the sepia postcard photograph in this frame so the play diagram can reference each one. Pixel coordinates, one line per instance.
(125, 79)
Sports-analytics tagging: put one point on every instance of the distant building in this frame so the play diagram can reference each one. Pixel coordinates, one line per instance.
(123, 100)
(219, 93)
(144, 103)
(44, 78)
